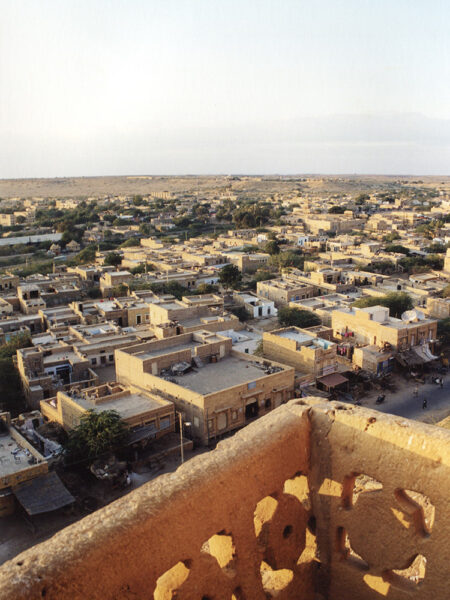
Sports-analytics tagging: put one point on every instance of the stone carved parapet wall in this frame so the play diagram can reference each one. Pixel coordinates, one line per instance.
(313, 501)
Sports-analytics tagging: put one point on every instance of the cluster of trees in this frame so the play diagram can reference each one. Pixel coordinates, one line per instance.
(409, 264)
(24, 248)
(251, 215)
(42, 266)
(430, 229)
(391, 237)
(420, 264)
(435, 248)
(336, 210)
(113, 259)
(397, 302)
(397, 248)
(291, 258)
(11, 396)
(291, 316)
(362, 199)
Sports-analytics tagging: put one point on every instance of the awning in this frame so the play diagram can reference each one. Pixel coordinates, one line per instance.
(419, 350)
(409, 358)
(43, 494)
(427, 352)
(332, 380)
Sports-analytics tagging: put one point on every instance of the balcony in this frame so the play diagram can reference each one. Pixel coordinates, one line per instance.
(319, 501)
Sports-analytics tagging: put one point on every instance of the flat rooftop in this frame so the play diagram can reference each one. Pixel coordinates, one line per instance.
(304, 338)
(131, 405)
(59, 357)
(168, 350)
(297, 336)
(172, 306)
(13, 457)
(226, 373)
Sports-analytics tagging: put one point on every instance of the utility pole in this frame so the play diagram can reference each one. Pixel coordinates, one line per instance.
(181, 438)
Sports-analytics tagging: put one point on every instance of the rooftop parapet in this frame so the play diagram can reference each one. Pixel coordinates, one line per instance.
(312, 501)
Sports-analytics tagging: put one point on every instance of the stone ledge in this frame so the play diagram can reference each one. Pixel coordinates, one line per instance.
(120, 551)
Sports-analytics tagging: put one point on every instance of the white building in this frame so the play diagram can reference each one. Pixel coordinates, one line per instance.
(257, 307)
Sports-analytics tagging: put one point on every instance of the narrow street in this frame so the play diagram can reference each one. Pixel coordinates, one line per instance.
(404, 404)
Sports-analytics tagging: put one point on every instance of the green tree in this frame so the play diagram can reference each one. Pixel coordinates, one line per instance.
(272, 247)
(140, 268)
(113, 259)
(336, 210)
(397, 302)
(230, 276)
(396, 248)
(87, 255)
(133, 241)
(385, 267)
(443, 331)
(206, 288)
(94, 292)
(98, 433)
(362, 199)
(11, 395)
(287, 259)
(436, 248)
(119, 290)
(21, 340)
(263, 275)
(391, 237)
(291, 316)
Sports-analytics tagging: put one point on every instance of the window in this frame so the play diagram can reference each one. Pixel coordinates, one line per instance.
(234, 415)
(251, 385)
(93, 361)
(164, 423)
(111, 357)
(268, 404)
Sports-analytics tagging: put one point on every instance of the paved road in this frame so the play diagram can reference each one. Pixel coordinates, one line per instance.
(404, 404)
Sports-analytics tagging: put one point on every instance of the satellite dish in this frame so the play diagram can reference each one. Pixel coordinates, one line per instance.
(413, 315)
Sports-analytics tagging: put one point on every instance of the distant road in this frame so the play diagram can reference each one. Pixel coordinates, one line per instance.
(404, 404)
(30, 239)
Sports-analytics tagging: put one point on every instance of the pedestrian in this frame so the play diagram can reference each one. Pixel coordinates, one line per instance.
(416, 391)
(424, 404)
(441, 382)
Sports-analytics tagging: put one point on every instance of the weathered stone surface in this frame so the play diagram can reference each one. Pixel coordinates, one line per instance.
(317, 530)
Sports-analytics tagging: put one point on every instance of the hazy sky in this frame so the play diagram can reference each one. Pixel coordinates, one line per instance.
(110, 87)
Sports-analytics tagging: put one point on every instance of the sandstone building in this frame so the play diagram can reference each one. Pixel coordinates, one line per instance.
(217, 389)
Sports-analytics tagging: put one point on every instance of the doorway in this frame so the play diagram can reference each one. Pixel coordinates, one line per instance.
(251, 410)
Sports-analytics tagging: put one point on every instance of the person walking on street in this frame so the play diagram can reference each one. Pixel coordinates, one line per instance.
(424, 404)
(441, 382)
(416, 391)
